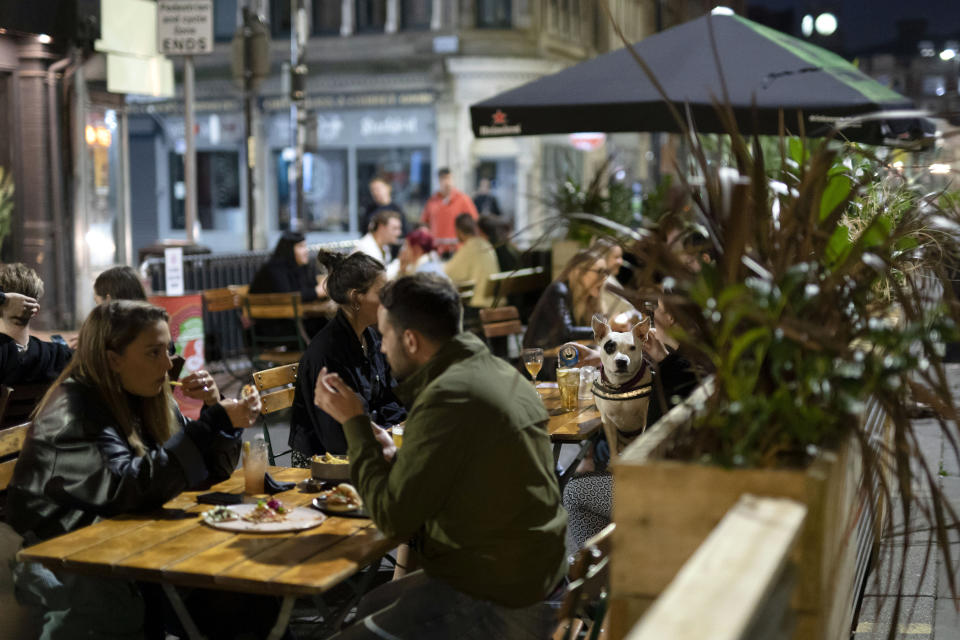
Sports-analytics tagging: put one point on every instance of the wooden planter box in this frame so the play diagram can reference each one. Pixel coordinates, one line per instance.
(664, 509)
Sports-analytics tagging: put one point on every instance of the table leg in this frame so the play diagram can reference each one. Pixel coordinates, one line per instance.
(181, 610)
(283, 618)
(556, 453)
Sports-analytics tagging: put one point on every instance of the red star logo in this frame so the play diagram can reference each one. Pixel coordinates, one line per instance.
(499, 117)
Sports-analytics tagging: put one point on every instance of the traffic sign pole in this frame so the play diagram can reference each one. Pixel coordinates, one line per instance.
(190, 155)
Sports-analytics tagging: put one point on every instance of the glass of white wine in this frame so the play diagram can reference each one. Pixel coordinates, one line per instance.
(533, 361)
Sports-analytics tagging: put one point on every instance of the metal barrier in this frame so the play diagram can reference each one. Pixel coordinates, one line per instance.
(223, 331)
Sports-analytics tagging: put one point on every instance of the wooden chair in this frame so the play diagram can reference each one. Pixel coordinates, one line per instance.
(585, 602)
(266, 349)
(276, 387)
(512, 284)
(11, 442)
(224, 306)
(17, 403)
(498, 324)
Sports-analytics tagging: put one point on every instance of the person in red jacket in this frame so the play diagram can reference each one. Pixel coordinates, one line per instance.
(442, 210)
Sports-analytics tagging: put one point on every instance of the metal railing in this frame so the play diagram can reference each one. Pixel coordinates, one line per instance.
(223, 331)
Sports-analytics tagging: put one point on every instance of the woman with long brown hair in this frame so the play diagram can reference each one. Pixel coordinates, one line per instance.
(565, 308)
(108, 439)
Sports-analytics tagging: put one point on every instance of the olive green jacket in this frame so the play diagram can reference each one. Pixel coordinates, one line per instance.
(474, 482)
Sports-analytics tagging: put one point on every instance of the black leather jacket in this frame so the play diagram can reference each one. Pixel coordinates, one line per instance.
(551, 323)
(76, 466)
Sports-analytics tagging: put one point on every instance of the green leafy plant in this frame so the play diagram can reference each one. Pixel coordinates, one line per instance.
(602, 196)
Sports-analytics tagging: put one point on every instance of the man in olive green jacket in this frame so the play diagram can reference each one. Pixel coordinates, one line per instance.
(473, 484)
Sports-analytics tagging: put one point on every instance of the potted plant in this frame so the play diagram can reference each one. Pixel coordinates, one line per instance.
(817, 293)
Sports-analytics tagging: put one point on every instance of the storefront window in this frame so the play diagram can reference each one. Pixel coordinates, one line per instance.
(324, 190)
(406, 169)
(280, 18)
(224, 20)
(371, 15)
(415, 14)
(218, 191)
(327, 18)
(493, 14)
(101, 188)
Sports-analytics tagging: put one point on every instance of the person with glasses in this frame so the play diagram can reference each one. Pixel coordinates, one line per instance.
(565, 308)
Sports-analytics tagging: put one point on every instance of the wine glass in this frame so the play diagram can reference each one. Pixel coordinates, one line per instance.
(533, 361)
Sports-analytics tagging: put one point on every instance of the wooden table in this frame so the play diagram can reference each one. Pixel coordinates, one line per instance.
(172, 547)
(569, 427)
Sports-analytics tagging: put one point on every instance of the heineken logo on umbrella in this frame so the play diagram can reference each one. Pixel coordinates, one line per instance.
(500, 126)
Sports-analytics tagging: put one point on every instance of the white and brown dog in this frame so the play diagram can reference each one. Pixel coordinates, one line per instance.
(622, 391)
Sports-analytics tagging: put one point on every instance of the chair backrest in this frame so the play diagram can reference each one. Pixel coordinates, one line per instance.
(17, 403)
(500, 321)
(267, 382)
(588, 580)
(272, 306)
(11, 442)
(511, 283)
(223, 299)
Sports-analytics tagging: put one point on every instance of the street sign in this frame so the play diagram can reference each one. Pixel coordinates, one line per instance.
(184, 27)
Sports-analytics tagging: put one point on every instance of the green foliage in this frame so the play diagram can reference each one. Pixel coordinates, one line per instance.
(603, 196)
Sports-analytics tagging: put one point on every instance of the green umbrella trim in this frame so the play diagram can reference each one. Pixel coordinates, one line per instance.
(830, 62)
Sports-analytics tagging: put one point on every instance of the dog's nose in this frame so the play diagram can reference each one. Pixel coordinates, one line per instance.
(621, 363)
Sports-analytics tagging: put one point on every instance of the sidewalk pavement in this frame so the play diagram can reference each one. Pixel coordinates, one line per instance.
(928, 611)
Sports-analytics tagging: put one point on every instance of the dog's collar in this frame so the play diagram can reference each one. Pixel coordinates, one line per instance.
(632, 388)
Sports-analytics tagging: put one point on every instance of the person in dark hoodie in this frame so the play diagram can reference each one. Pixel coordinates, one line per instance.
(24, 359)
(289, 269)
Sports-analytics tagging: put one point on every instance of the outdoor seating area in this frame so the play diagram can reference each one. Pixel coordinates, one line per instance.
(484, 320)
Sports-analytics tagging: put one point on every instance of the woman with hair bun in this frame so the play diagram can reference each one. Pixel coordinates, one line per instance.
(350, 346)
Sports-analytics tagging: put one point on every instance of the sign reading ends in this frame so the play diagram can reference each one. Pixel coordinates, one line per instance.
(184, 27)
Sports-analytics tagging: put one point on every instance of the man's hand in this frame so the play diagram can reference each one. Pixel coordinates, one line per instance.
(332, 395)
(243, 413)
(385, 440)
(200, 385)
(18, 305)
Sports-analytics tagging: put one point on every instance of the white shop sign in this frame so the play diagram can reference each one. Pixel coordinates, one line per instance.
(184, 27)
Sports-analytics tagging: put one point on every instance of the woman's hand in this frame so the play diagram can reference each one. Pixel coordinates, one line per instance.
(654, 347)
(385, 440)
(200, 385)
(332, 395)
(243, 412)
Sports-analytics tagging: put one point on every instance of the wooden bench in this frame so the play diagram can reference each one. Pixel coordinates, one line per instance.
(585, 603)
(513, 283)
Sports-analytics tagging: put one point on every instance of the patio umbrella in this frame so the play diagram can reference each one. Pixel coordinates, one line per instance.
(764, 71)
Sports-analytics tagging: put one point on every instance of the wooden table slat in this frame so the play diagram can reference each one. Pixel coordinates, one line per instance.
(115, 550)
(264, 566)
(569, 426)
(331, 566)
(178, 548)
(51, 552)
(220, 558)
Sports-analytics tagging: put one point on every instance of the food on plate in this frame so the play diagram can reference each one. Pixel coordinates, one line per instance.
(267, 511)
(220, 514)
(343, 497)
(330, 459)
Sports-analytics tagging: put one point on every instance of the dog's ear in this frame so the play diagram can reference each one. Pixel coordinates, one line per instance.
(600, 327)
(641, 329)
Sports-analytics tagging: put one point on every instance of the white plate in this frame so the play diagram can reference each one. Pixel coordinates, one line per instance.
(297, 519)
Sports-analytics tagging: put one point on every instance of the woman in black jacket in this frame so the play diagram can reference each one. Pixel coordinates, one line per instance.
(350, 346)
(107, 440)
(565, 308)
(289, 270)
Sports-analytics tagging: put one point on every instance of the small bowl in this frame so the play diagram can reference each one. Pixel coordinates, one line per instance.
(327, 471)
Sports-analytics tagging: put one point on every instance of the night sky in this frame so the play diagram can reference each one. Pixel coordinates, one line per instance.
(869, 23)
